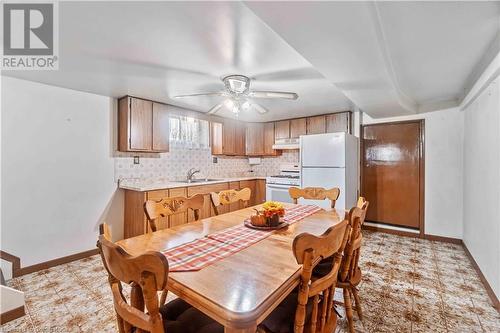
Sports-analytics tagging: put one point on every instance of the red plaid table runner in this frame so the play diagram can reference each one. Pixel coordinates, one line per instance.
(197, 254)
(202, 252)
(299, 212)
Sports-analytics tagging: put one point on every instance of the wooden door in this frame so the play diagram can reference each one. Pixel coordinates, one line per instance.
(255, 141)
(316, 125)
(282, 129)
(338, 122)
(141, 113)
(393, 173)
(298, 127)
(161, 128)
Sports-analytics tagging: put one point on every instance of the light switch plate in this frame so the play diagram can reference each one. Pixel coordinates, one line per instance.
(136, 159)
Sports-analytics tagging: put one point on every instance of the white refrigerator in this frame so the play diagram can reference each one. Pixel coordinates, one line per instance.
(330, 160)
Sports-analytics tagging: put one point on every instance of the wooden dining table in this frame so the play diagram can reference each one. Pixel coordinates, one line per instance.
(241, 290)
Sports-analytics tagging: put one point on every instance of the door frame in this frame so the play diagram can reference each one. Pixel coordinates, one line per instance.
(421, 166)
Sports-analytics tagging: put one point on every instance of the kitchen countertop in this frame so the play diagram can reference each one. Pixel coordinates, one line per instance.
(142, 185)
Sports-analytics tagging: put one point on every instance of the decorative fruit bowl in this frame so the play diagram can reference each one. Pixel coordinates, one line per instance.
(268, 218)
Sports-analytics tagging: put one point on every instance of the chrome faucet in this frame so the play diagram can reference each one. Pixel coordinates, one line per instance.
(191, 173)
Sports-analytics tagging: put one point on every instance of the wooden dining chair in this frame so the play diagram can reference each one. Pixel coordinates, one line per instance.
(172, 205)
(350, 273)
(147, 274)
(228, 197)
(311, 308)
(363, 204)
(315, 193)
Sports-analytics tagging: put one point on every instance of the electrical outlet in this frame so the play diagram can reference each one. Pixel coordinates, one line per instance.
(136, 159)
(214, 160)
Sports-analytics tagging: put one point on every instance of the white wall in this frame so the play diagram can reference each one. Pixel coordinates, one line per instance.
(482, 182)
(443, 169)
(57, 170)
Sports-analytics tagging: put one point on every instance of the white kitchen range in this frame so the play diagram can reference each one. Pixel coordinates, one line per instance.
(277, 186)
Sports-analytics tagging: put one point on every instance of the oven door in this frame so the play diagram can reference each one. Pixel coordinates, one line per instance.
(276, 192)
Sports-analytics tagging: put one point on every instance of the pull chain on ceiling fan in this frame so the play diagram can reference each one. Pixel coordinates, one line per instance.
(237, 89)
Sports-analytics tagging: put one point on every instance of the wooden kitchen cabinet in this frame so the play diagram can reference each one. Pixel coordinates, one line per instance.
(316, 125)
(135, 221)
(269, 140)
(260, 191)
(282, 129)
(251, 184)
(255, 139)
(207, 210)
(236, 205)
(142, 126)
(240, 139)
(161, 127)
(228, 138)
(298, 127)
(180, 218)
(216, 138)
(339, 122)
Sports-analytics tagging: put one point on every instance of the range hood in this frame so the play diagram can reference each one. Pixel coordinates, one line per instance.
(292, 143)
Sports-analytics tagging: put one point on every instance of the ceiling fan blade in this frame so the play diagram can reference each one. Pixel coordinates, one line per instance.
(215, 108)
(260, 109)
(296, 74)
(273, 94)
(220, 93)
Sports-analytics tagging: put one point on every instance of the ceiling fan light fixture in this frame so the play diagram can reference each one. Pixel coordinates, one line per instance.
(237, 84)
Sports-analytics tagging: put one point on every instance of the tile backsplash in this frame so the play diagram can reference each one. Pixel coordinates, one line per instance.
(175, 164)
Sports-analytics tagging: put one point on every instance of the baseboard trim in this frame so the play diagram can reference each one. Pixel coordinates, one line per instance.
(489, 290)
(391, 231)
(412, 234)
(15, 261)
(54, 262)
(12, 314)
(452, 240)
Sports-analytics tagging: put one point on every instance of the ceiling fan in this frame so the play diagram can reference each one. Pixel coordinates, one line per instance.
(237, 90)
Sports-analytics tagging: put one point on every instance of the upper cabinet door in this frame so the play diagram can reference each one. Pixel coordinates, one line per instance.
(298, 127)
(240, 141)
(282, 129)
(161, 127)
(141, 118)
(269, 140)
(316, 125)
(338, 122)
(255, 139)
(229, 137)
(216, 138)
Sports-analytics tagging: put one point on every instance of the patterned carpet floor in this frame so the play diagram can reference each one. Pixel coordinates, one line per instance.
(409, 285)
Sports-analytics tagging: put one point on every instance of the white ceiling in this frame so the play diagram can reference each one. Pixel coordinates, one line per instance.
(391, 58)
(388, 58)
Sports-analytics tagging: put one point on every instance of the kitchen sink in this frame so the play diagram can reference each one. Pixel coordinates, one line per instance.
(202, 180)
